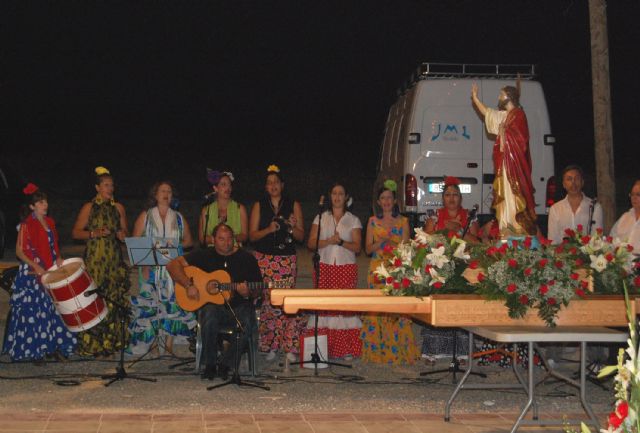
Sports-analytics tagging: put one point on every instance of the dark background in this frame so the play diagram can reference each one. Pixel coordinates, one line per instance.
(159, 89)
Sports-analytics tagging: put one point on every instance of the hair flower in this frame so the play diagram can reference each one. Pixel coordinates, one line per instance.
(391, 185)
(451, 180)
(101, 170)
(229, 175)
(274, 168)
(29, 189)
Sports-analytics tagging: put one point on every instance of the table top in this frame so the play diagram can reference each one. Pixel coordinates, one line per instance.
(566, 334)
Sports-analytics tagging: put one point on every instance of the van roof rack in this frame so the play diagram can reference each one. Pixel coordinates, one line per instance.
(464, 70)
(429, 70)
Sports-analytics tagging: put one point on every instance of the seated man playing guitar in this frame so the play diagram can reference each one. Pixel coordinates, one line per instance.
(215, 295)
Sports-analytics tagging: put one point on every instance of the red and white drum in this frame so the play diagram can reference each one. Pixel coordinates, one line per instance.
(74, 296)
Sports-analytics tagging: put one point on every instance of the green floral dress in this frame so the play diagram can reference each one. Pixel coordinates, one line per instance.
(105, 265)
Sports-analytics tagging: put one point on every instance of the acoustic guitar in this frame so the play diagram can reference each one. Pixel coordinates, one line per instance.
(201, 279)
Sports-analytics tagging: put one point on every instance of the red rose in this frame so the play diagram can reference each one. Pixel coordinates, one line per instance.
(579, 262)
(609, 257)
(513, 263)
(503, 248)
(574, 276)
(439, 244)
(512, 288)
(630, 248)
(481, 277)
(427, 269)
(585, 239)
(559, 249)
(406, 283)
(551, 283)
(437, 285)
(573, 251)
(527, 271)
(542, 263)
(543, 289)
(584, 284)
(559, 264)
(389, 280)
(551, 301)
(570, 233)
(623, 409)
(544, 241)
(491, 251)
(579, 227)
(609, 239)
(396, 285)
(599, 231)
(451, 234)
(565, 241)
(388, 248)
(524, 299)
(514, 243)
(397, 262)
(580, 293)
(614, 420)
(473, 264)
(636, 281)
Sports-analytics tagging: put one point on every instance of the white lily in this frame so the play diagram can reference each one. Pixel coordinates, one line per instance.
(381, 271)
(459, 252)
(599, 263)
(405, 252)
(421, 236)
(437, 257)
(435, 277)
(417, 277)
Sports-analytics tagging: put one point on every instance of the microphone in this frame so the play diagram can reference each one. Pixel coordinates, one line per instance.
(473, 211)
(209, 196)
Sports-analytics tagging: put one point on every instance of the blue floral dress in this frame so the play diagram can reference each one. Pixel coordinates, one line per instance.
(35, 328)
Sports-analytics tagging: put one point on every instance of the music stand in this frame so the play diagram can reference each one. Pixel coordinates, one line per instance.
(151, 251)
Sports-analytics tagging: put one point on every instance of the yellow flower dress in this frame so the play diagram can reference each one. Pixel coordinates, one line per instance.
(386, 338)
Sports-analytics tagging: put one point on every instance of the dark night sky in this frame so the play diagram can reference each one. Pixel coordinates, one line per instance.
(156, 89)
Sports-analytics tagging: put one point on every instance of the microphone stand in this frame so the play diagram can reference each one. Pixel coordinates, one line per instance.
(235, 376)
(591, 210)
(454, 365)
(315, 357)
(207, 203)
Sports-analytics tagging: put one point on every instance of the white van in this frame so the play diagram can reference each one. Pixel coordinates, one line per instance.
(434, 131)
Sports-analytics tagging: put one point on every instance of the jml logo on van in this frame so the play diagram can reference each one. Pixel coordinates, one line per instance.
(450, 132)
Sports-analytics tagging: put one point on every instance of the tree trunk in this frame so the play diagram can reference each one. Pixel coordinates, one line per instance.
(603, 133)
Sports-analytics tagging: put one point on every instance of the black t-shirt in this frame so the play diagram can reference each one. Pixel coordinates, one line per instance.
(241, 266)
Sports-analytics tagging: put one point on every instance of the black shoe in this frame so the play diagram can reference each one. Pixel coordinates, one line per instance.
(209, 372)
(223, 372)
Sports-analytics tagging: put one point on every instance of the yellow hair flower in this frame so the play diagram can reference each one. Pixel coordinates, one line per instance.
(101, 170)
(273, 168)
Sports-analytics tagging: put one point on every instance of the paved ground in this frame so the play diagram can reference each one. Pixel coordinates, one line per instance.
(71, 396)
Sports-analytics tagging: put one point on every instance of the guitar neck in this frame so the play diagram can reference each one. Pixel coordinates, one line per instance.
(251, 285)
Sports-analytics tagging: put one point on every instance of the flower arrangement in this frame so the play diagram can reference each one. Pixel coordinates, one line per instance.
(424, 265)
(608, 261)
(527, 276)
(624, 417)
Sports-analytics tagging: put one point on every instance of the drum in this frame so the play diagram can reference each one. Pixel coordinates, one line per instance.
(74, 295)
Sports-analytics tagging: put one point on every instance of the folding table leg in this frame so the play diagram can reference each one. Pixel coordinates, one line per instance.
(447, 408)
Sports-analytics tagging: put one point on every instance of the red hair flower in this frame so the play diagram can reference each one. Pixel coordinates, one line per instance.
(29, 189)
(451, 180)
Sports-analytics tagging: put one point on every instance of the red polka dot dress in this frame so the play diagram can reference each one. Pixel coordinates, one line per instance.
(338, 270)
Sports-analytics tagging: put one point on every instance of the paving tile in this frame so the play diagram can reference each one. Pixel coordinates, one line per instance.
(72, 416)
(157, 417)
(328, 416)
(284, 426)
(126, 427)
(24, 416)
(223, 418)
(278, 417)
(73, 426)
(337, 426)
(390, 427)
(23, 425)
(239, 428)
(126, 417)
(423, 416)
(378, 417)
(426, 426)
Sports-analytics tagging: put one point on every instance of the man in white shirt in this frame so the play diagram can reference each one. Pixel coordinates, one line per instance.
(576, 208)
(627, 228)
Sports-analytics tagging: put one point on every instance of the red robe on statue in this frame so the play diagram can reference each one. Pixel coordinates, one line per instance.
(512, 187)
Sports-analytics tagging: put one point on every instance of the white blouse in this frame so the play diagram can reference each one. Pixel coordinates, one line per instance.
(335, 254)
